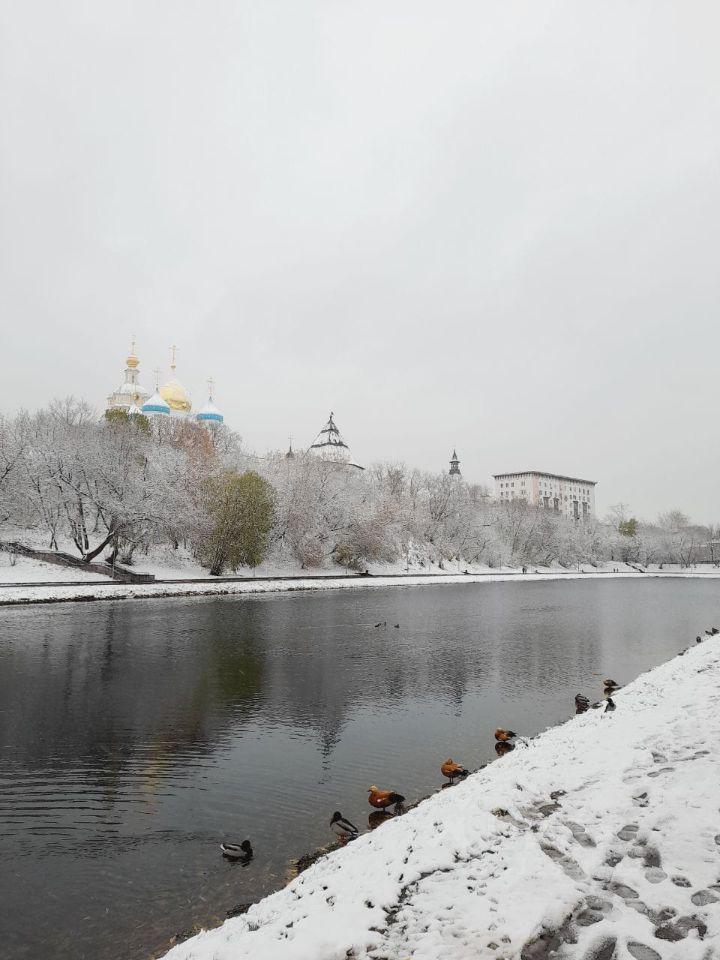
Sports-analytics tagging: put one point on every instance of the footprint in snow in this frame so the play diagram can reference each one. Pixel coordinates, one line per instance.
(569, 866)
(680, 928)
(604, 950)
(642, 952)
(622, 890)
(702, 897)
(628, 831)
(655, 875)
(580, 835)
(681, 881)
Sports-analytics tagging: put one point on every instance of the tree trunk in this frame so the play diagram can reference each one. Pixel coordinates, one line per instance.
(91, 554)
(218, 563)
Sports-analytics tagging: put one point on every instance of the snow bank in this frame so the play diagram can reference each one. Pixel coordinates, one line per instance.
(21, 569)
(119, 591)
(601, 838)
(105, 590)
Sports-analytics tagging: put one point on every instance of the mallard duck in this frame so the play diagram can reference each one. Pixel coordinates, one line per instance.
(237, 851)
(611, 685)
(581, 703)
(381, 799)
(504, 736)
(342, 828)
(503, 746)
(609, 705)
(451, 770)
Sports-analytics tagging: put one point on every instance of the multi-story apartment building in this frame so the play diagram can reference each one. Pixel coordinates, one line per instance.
(569, 496)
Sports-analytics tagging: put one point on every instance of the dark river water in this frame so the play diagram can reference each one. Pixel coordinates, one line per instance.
(134, 736)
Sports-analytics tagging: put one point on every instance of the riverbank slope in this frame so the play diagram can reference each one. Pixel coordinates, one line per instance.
(599, 839)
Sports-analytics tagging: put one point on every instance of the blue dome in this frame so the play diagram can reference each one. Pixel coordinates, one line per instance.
(155, 404)
(210, 414)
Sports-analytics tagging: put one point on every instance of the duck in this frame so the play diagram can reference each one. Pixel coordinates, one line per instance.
(581, 703)
(238, 851)
(504, 736)
(610, 705)
(503, 746)
(451, 770)
(611, 685)
(382, 799)
(698, 639)
(342, 828)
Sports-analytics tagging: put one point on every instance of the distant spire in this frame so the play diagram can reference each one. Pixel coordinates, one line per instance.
(455, 465)
(157, 371)
(173, 351)
(290, 455)
(211, 385)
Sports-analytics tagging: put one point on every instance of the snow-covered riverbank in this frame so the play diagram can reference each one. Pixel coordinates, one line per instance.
(109, 590)
(599, 839)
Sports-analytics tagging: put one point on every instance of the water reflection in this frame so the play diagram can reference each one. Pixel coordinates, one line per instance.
(136, 736)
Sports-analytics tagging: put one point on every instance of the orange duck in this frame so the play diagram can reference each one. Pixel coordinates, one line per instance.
(381, 799)
(504, 736)
(451, 770)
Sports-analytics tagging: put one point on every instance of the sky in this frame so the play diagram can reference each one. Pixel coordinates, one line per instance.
(482, 225)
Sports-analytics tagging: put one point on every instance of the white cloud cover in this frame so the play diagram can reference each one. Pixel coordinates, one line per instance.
(490, 226)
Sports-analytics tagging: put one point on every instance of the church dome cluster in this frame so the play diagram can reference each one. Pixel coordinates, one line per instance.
(171, 399)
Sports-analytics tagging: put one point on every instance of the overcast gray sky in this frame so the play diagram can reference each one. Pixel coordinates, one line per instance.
(490, 225)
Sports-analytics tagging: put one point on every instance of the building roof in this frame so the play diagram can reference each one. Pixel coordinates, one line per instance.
(543, 473)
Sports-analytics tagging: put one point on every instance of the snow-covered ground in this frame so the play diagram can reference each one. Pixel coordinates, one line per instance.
(19, 569)
(111, 590)
(599, 839)
(117, 591)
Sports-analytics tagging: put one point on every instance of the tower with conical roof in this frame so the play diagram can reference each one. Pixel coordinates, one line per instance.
(455, 465)
(131, 393)
(329, 445)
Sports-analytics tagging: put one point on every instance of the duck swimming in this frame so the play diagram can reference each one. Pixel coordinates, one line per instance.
(503, 746)
(238, 851)
(504, 736)
(451, 770)
(611, 685)
(342, 828)
(381, 799)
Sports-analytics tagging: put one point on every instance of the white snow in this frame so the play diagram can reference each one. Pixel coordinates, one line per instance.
(112, 590)
(19, 569)
(630, 850)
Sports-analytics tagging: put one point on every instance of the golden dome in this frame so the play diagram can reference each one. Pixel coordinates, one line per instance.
(176, 396)
(132, 360)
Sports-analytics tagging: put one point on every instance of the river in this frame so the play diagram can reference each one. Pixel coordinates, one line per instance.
(136, 735)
